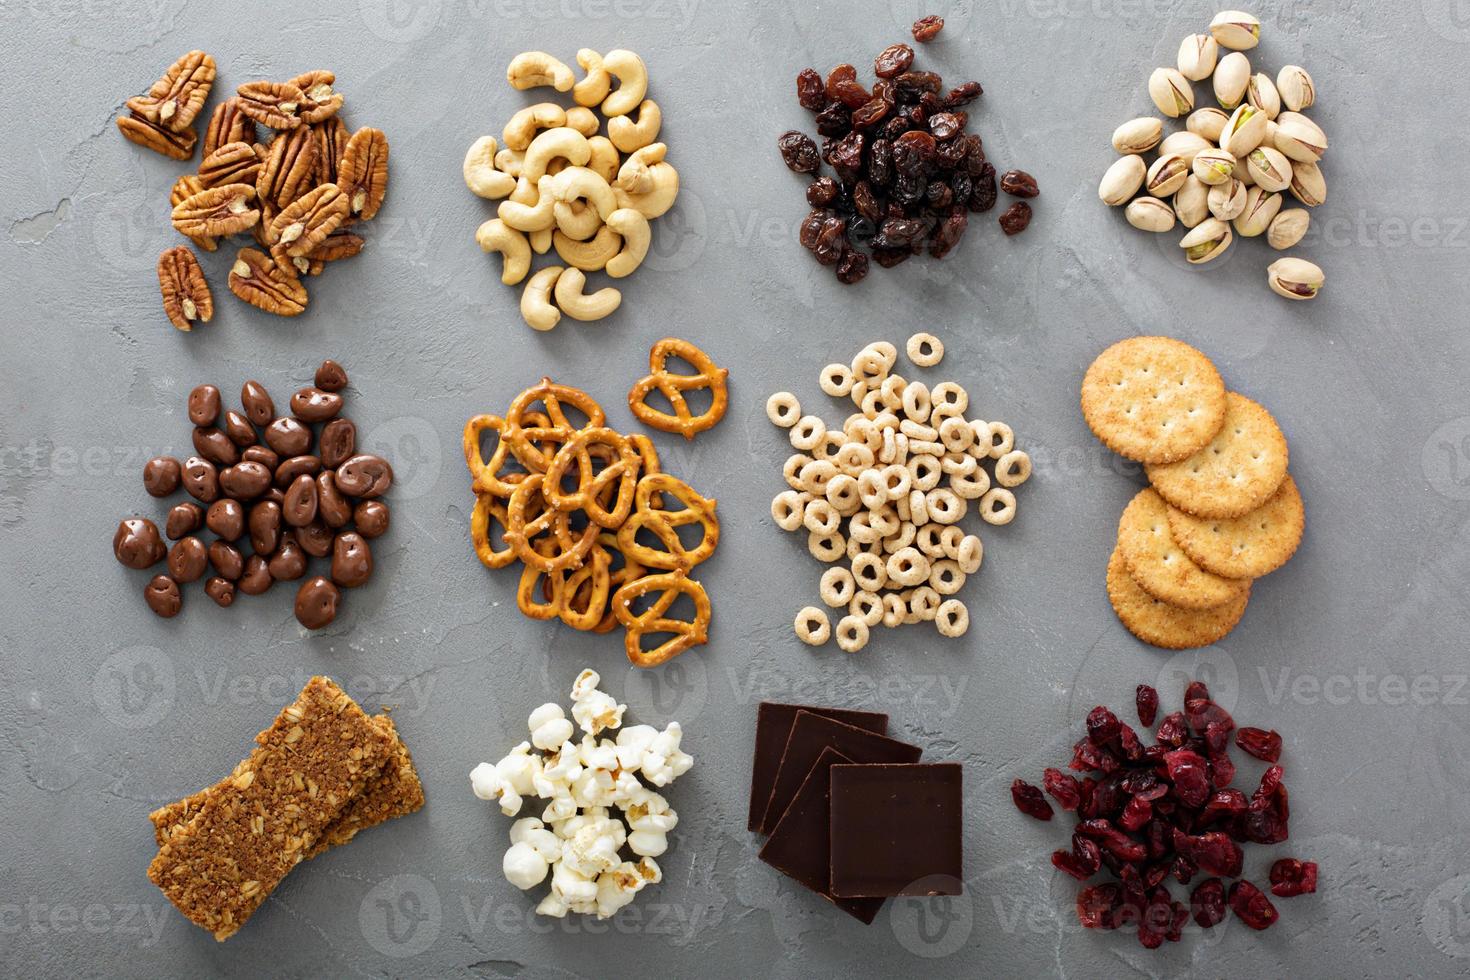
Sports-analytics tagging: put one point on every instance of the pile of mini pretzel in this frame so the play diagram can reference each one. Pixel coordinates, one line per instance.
(588, 513)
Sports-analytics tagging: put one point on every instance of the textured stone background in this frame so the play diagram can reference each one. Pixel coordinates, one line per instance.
(1355, 651)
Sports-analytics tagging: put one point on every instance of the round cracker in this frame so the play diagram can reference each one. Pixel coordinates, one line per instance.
(1239, 470)
(1153, 399)
(1162, 625)
(1244, 547)
(1160, 566)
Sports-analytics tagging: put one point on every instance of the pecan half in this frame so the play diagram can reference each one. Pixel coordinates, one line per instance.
(261, 283)
(177, 146)
(363, 172)
(322, 102)
(331, 143)
(184, 188)
(273, 104)
(176, 98)
(338, 245)
(307, 222)
(217, 211)
(233, 163)
(289, 168)
(228, 125)
(186, 295)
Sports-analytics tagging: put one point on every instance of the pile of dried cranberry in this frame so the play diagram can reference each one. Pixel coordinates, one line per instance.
(907, 174)
(1148, 813)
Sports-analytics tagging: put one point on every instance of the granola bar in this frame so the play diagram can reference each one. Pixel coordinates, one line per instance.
(318, 756)
(396, 792)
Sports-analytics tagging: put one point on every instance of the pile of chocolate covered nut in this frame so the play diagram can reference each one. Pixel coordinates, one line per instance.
(1230, 165)
(294, 501)
(590, 197)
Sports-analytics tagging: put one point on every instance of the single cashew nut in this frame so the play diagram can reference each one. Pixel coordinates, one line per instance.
(583, 120)
(536, 308)
(480, 174)
(604, 158)
(576, 219)
(552, 144)
(589, 256)
(522, 127)
(509, 161)
(628, 135)
(594, 88)
(580, 183)
(532, 69)
(525, 193)
(656, 201)
(632, 76)
(529, 217)
(636, 173)
(541, 240)
(636, 235)
(580, 306)
(497, 236)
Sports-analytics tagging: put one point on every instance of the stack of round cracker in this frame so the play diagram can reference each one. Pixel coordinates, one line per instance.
(1222, 509)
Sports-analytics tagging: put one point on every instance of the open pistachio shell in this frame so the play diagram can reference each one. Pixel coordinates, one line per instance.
(1294, 278)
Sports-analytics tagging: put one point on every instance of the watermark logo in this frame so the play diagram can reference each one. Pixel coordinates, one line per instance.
(1450, 19)
(128, 238)
(134, 687)
(1446, 459)
(680, 235)
(1446, 917)
(1211, 665)
(401, 21)
(678, 691)
(412, 445)
(401, 916)
(933, 927)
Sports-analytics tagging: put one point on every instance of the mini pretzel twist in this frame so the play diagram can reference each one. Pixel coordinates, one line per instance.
(664, 525)
(655, 618)
(619, 478)
(522, 440)
(487, 509)
(673, 386)
(528, 517)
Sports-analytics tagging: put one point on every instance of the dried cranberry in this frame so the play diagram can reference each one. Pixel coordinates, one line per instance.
(1018, 183)
(1202, 712)
(1145, 785)
(1208, 903)
(800, 152)
(945, 125)
(1136, 814)
(894, 60)
(852, 267)
(811, 92)
(1270, 779)
(1251, 906)
(1196, 691)
(1082, 861)
(1102, 726)
(1171, 730)
(1264, 745)
(1183, 869)
(835, 120)
(983, 197)
(1188, 774)
(962, 95)
(1224, 803)
(1213, 851)
(821, 192)
(1065, 789)
(1290, 877)
(1028, 799)
(1217, 738)
(1147, 701)
(1113, 840)
(1222, 770)
(1098, 906)
(926, 28)
(1087, 757)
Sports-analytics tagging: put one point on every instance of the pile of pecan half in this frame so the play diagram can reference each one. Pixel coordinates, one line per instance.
(298, 194)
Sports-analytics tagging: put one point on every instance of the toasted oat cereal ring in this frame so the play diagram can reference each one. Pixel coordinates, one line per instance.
(821, 517)
(924, 604)
(1153, 399)
(1248, 546)
(489, 511)
(980, 449)
(856, 547)
(672, 386)
(871, 404)
(917, 403)
(815, 476)
(1159, 624)
(783, 409)
(1240, 469)
(901, 539)
(1013, 469)
(852, 634)
(788, 509)
(956, 433)
(908, 566)
(897, 480)
(895, 610)
(885, 520)
(791, 469)
(843, 495)
(972, 485)
(1160, 566)
(952, 618)
(867, 606)
(826, 448)
(885, 350)
(918, 509)
(917, 431)
(858, 392)
(945, 506)
(945, 576)
(869, 572)
(949, 397)
(860, 530)
(807, 432)
(924, 349)
(969, 554)
(929, 540)
(1002, 440)
(892, 392)
(838, 587)
(826, 547)
(868, 366)
(962, 464)
(836, 380)
(812, 626)
(998, 506)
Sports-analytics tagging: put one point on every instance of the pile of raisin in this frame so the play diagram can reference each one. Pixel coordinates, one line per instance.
(1146, 814)
(907, 174)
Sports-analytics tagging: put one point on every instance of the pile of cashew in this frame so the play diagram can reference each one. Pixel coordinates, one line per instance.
(564, 186)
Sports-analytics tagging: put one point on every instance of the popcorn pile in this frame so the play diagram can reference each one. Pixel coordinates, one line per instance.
(578, 839)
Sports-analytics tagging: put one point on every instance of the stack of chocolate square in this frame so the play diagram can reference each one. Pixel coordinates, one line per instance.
(851, 813)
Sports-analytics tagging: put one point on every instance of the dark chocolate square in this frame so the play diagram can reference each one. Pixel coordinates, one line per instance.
(772, 727)
(809, 735)
(799, 846)
(897, 830)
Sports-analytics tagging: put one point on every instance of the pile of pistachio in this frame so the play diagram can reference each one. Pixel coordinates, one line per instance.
(1230, 165)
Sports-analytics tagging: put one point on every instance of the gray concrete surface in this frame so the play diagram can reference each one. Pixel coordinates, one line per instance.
(1355, 651)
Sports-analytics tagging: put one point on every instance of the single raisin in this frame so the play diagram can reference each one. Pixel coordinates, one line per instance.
(913, 153)
(962, 95)
(1251, 906)
(1028, 798)
(800, 152)
(811, 227)
(962, 184)
(865, 203)
(811, 92)
(950, 155)
(1147, 701)
(893, 61)
(880, 162)
(949, 231)
(909, 189)
(1264, 745)
(841, 73)
(890, 257)
(983, 197)
(847, 156)
(926, 28)
(945, 125)
(914, 82)
(975, 162)
(870, 113)
(835, 120)
(821, 192)
(831, 241)
(938, 195)
(1290, 877)
(852, 267)
(1018, 183)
